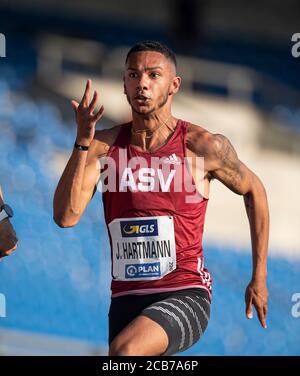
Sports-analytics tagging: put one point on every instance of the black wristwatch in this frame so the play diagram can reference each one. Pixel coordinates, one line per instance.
(5, 212)
(80, 147)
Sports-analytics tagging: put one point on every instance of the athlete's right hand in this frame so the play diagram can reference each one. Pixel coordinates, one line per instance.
(85, 117)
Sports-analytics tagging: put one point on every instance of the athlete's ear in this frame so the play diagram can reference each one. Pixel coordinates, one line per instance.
(175, 85)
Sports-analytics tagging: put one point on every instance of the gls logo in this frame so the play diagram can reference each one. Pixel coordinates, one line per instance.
(296, 307)
(296, 46)
(146, 227)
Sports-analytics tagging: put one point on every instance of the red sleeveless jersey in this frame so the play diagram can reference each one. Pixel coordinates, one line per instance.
(134, 210)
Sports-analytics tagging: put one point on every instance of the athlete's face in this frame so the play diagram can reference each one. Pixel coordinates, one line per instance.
(149, 82)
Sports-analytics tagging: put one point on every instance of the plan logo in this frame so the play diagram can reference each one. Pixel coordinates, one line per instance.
(2, 305)
(2, 45)
(142, 270)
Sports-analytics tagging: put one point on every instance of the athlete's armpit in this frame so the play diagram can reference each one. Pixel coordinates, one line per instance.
(226, 166)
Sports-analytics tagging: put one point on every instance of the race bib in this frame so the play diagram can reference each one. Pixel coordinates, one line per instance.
(143, 248)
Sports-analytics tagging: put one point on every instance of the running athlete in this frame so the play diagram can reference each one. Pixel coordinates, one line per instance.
(8, 238)
(161, 292)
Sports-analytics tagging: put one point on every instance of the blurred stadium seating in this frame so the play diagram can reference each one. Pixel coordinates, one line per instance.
(57, 285)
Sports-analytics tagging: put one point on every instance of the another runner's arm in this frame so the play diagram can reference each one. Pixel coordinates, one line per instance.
(225, 166)
(8, 237)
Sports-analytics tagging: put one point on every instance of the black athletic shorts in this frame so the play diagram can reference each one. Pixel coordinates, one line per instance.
(183, 314)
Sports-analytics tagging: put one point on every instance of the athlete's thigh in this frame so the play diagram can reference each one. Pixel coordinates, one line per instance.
(184, 316)
(124, 309)
(142, 336)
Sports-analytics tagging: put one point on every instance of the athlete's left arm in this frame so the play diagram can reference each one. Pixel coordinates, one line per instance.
(225, 166)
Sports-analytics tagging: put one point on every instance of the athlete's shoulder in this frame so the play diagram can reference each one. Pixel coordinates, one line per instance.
(105, 138)
(198, 138)
(108, 135)
(204, 142)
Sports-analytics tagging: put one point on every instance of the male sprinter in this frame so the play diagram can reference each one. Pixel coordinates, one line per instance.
(161, 292)
(8, 238)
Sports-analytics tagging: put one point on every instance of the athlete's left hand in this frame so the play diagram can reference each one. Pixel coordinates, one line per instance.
(257, 294)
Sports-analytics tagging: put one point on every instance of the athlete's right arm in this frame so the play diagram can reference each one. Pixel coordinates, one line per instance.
(78, 181)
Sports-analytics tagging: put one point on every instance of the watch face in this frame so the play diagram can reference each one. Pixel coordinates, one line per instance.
(8, 210)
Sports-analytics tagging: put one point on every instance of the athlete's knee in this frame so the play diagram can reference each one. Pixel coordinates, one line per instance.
(118, 348)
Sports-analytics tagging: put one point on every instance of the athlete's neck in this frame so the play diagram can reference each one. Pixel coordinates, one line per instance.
(151, 133)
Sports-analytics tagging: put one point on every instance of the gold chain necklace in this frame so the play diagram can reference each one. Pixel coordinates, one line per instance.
(134, 132)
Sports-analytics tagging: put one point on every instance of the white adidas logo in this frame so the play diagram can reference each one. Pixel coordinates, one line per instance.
(172, 159)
